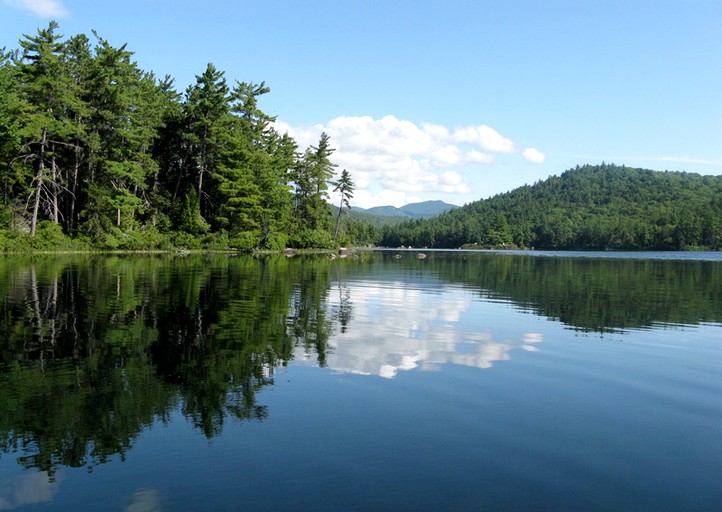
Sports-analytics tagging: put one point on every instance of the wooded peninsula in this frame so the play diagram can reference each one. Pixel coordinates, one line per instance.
(96, 153)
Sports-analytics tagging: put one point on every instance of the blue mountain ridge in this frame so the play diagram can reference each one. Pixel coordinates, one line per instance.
(422, 210)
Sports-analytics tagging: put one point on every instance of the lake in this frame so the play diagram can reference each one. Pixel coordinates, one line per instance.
(382, 381)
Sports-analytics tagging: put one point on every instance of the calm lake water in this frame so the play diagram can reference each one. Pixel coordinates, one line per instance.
(462, 381)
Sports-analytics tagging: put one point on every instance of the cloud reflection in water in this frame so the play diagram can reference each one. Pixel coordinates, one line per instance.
(28, 489)
(395, 327)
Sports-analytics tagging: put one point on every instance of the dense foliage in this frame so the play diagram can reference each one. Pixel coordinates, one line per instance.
(591, 207)
(95, 151)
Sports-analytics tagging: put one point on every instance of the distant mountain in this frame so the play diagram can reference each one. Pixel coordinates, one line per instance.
(377, 221)
(600, 207)
(381, 216)
(423, 210)
(382, 211)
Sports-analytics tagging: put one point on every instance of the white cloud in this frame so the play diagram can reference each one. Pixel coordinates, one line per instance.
(391, 158)
(368, 199)
(450, 182)
(478, 156)
(388, 135)
(42, 8)
(486, 138)
(436, 131)
(533, 155)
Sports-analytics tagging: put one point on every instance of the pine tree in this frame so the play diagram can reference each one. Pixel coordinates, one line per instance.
(311, 177)
(344, 186)
(246, 181)
(80, 65)
(127, 114)
(50, 97)
(10, 109)
(205, 108)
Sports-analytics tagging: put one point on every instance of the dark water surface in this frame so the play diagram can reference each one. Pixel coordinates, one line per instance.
(462, 381)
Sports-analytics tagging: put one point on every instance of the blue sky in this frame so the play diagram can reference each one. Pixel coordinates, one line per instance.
(453, 100)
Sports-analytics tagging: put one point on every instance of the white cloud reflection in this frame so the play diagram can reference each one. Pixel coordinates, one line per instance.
(145, 500)
(396, 328)
(27, 489)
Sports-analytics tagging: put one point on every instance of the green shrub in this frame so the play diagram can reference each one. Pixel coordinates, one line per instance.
(217, 241)
(311, 239)
(276, 241)
(49, 236)
(11, 241)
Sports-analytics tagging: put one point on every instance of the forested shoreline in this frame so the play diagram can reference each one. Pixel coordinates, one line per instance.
(592, 207)
(98, 153)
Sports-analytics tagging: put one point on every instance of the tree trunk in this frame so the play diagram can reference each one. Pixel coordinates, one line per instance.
(338, 221)
(36, 207)
(54, 180)
(70, 221)
(39, 179)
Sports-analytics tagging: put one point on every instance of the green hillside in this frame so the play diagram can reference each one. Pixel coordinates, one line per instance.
(600, 207)
(422, 210)
(380, 216)
(375, 220)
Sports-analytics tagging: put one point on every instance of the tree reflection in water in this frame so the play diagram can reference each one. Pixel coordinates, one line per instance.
(97, 349)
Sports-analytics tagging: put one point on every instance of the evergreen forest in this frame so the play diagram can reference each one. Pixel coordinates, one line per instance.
(98, 153)
(593, 207)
